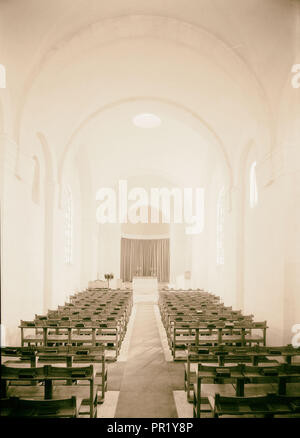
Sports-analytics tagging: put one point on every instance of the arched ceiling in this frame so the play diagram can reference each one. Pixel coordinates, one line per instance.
(139, 68)
(69, 60)
(32, 28)
(117, 149)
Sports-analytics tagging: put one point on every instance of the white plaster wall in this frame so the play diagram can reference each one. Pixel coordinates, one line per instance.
(22, 251)
(67, 68)
(264, 255)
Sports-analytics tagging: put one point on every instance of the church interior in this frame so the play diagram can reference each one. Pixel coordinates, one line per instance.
(106, 108)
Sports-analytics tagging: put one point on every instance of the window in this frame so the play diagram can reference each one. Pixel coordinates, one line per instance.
(220, 226)
(253, 186)
(68, 226)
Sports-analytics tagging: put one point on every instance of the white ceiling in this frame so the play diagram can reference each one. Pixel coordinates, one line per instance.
(214, 70)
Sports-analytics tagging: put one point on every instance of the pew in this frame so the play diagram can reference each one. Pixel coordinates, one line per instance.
(242, 375)
(218, 356)
(267, 406)
(17, 407)
(51, 375)
(185, 334)
(81, 329)
(199, 318)
(74, 356)
(20, 353)
(87, 331)
(280, 374)
(215, 374)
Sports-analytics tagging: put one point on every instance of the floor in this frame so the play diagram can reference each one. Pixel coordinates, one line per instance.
(146, 381)
(142, 383)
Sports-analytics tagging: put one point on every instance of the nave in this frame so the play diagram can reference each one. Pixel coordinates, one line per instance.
(149, 207)
(187, 356)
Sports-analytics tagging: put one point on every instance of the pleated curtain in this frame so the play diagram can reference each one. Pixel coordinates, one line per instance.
(145, 258)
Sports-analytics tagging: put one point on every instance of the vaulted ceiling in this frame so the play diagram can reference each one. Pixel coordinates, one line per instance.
(78, 70)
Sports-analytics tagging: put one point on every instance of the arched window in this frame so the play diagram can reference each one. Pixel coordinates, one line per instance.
(68, 225)
(253, 185)
(220, 226)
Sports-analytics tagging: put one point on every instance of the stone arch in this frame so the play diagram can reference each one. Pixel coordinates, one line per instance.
(108, 30)
(179, 111)
(49, 158)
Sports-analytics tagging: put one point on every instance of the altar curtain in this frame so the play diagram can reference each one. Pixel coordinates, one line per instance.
(145, 258)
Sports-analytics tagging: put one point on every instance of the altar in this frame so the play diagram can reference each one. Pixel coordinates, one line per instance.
(145, 289)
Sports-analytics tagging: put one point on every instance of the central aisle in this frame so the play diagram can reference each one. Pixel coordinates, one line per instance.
(146, 387)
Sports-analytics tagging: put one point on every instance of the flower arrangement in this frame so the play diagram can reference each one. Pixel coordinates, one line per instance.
(108, 277)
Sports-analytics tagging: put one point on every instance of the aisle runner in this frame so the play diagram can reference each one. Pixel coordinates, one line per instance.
(163, 335)
(146, 387)
(126, 341)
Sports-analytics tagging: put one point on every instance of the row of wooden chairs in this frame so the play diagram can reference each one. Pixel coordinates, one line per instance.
(195, 304)
(98, 294)
(64, 353)
(221, 346)
(18, 407)
(77, 327)
(112, 304)
(198, 318)
(185, 334)
(67, 355)
(52, 377)
(240, 375)
(82, 333)
(267, 406)
(225, 355)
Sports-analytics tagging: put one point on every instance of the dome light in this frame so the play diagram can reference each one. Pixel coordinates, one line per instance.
(146, 120)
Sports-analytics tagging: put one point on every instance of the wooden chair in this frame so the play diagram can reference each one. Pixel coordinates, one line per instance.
(219, 356)
(50, 374)
(266, 406)
(21, 354)
(288, 352)
(15, 374)
(253, 338)
(62, 374)
(35, 335)
(280, 374)
(217, 375)
(72, 356)
(62, 408)
(260, 354)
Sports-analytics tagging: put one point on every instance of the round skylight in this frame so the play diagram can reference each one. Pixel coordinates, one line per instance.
(146, 120)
